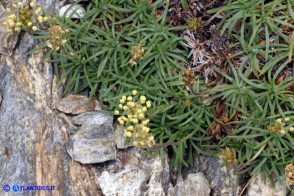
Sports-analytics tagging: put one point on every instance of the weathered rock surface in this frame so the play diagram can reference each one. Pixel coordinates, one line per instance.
(159, 181)
(77, 104)
(33, 137)
(222, 179)
(156, 175)
(258, 187)
(130, 181)
(92, 144)
(94, 140)
(93, 118)
(195, 184)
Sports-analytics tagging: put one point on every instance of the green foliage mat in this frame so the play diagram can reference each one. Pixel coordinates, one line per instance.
(120, 46)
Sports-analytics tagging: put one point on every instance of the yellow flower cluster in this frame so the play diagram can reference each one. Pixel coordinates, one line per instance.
(22, 17)
(229, 155)
(279, 127)
(137, 53)
(289, 171)
(133, 118)
(56, 40)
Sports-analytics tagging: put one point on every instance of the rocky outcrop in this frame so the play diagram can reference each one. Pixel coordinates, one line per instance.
(130, 181)
(222, 177)
(67, 143)
(33, 137)
(195, 184)
(94, 140)
(258, 187)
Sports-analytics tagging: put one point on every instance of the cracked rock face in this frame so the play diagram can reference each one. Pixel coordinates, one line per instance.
(94, 140)
(258, 187)
(195, 184)
(159, 177)
(33, 137)
(130, 181)
(222, 179)
(135, 175)
(92, 144)
(95, 118)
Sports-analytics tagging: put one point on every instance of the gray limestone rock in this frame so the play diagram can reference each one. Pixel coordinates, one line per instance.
(159, 177)
(92, 143)
(96, 118)
(258, 187)
(129, 182)
(222, 179)
(33, 137)
(195, 184)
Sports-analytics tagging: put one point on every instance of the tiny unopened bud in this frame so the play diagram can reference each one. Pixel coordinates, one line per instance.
(38, 11)
(121, 122)
(12, 16)
(40, 19)
(134, 92)
(279, 120)
(11, 23)
(135, 121)
(130, 98)
(151, 138)
(141, 116)
(142, 99)
(130, 128)
(129, 134)
(148, 104)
